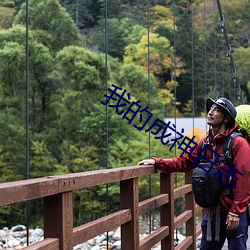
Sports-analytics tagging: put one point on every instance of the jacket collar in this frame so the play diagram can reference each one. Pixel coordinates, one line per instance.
(219, 138)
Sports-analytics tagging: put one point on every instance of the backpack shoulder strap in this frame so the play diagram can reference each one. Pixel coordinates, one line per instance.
(227, 147)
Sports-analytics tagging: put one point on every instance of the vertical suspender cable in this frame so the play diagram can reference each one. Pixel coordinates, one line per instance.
(174, 75)
(205, 53)
(106, 81)
(192, 21)
(149, 142)
(215, 53)
(205, 50)
(27, 112)
(175, 90)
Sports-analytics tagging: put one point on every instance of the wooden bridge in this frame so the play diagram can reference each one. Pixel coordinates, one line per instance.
(56, 192)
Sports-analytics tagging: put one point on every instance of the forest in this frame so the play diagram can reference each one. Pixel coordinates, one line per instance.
(56, 71)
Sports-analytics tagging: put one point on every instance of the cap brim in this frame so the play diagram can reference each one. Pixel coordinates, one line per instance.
(209, 103)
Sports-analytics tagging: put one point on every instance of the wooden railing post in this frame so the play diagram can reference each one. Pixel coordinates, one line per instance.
(58, 219)
(167, 210)
(129, 198)
(190, 205)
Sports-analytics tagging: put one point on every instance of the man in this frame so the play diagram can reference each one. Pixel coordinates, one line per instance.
(221, 115)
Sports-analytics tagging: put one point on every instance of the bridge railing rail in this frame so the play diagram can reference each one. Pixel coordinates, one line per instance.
(56, 192)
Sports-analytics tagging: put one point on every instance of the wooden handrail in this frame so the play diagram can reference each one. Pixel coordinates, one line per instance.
(58, 208)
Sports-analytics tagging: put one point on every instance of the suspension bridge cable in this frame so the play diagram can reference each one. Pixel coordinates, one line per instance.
(107, 120)
(149, 142)
(174, 62)
(175, 92)
(205, 50)
(27, 207)
(229, 53)
(192, 25)
(215, 52)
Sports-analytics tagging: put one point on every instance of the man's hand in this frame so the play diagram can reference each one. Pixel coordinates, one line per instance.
(232, 222)
(146, 162)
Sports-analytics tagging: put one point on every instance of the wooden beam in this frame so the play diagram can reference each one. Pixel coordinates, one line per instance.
(185, 244)
(98, 177)
(182, 218)
(154, 238)
(90, 230)
(190, 205)
(24, 190)
(58, 219)
(46, 244)
(167, 210)
(129, 197)
(152, 203)
(182, 190)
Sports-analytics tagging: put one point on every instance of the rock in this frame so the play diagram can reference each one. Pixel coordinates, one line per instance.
(95, 248)
(3, 233)
(16, 238)
(111, 233)
(117, 244)
(38, 232)
(13, 243)
(103, 243)
(100, 238)
(117, 234)
(111, 239)
(18, 228)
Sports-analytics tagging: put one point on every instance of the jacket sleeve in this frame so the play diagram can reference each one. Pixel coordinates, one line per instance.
(179, 164)
(241, 156)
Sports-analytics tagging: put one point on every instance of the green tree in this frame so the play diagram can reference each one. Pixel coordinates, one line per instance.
(242, 64)
(84, 13)
(53, 25)
(6, 17)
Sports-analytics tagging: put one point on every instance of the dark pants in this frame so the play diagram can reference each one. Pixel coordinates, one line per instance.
(237, 238)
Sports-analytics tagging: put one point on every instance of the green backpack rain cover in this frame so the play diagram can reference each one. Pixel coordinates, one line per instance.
(243, 118)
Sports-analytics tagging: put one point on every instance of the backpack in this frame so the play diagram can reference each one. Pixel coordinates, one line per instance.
(206, 187)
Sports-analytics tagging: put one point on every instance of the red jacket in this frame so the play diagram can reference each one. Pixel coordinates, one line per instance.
(241, 156)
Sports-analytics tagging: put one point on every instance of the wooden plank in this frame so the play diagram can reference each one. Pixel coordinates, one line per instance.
(90, 230)
(190, 205)
(167, 210)
(154, 238)
(185, 244)
(46, 244)
(129, 195)
(182, 218)
(152, 203)
(58, 219)
(98, 177)
(24, 190)
(182, 190)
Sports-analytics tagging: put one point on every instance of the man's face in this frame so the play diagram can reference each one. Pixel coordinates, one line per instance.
(215, 116)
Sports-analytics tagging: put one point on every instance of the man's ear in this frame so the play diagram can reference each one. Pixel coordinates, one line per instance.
(228, 118)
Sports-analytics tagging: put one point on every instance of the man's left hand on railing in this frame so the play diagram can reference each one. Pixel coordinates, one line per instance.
(146, 162)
